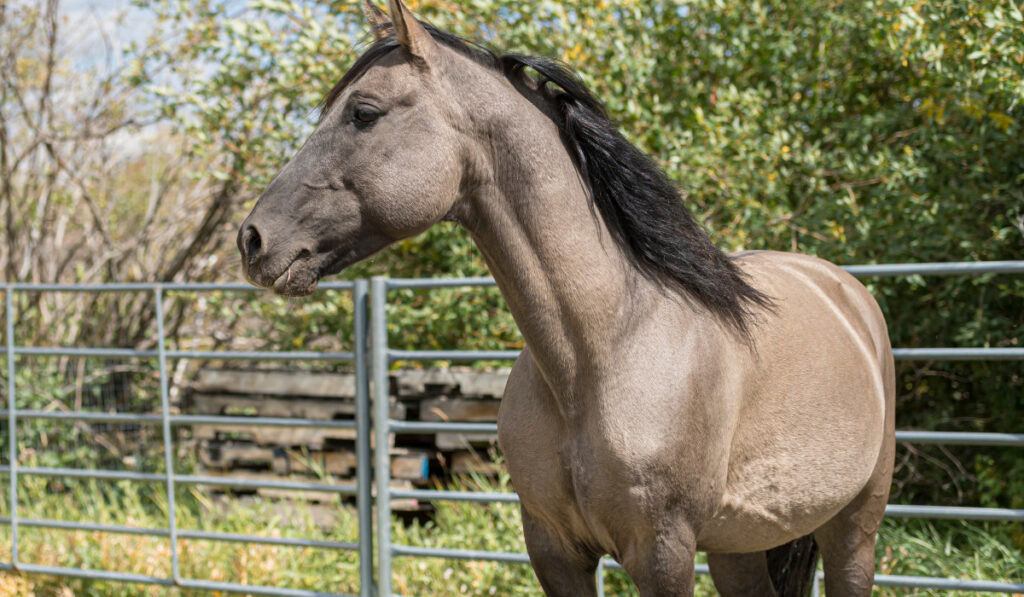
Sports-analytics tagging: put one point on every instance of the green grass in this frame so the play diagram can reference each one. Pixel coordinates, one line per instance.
(939, 548)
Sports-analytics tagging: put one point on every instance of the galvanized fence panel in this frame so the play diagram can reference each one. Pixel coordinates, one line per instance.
(361, 490)
(370, 322)
(383, 357)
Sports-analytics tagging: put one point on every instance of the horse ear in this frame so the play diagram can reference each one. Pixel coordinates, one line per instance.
(379, 22)
(410, 32)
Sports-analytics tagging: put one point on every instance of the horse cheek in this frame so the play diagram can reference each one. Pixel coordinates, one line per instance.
(414, 195)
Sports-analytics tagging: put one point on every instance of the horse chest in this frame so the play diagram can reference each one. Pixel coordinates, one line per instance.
(598, 474)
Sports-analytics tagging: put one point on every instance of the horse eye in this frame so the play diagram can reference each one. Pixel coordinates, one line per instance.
(366, 114)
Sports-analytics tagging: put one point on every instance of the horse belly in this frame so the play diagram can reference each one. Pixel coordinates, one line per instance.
(808, 438)
(785, 485)
(766, 510)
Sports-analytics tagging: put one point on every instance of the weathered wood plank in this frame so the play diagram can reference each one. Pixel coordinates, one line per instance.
(277, 382)
(482, 383)
(410, 464)
(225, 456)
(418, 382)
(339, 463)
(462, 441)
(313, 439)
(291, 408)
(472, 410)
(406, 463)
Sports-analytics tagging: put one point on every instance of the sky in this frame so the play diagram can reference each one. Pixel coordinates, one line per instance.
(99, 33)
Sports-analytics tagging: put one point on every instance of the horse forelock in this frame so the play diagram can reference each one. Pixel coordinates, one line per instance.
(642, 208)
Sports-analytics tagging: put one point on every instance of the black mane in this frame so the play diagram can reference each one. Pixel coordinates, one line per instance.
(641, 207)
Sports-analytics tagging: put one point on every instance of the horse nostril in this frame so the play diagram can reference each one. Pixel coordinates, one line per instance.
(253, 242)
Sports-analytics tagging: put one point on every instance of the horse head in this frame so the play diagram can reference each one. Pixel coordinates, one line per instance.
(384, 163)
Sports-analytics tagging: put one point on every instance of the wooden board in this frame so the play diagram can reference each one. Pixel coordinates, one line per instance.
(276, 382)
(410, 464)
(434, 381)
(340, 463)
(291, 408)
(310, 495)
(406, 463)
(472, 410)
(482, 383)
(224, 456)
(314, 439)
(461, 441)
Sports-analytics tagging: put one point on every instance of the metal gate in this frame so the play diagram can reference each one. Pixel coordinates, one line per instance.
(370, 333)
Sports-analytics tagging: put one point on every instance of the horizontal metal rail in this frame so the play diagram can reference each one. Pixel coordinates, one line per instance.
(958, 354)
(900, 354)
(131, 353)
(881, 580)
(184, 583)
(151, 286)
(959, 438)
(151, 419)
(947, 584)
(961, 268)
(67, 525)
(454, 496)
(949, 438)
(954, 512)
(433, 283)
(955, 268)
(892, 510)
(109, 475)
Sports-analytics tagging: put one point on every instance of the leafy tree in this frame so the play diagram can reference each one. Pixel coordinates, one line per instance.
(877, 131)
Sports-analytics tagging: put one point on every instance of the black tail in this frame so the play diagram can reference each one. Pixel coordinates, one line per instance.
(792, 567)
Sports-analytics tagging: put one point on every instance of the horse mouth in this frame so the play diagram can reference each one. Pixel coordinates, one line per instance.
(304, 273)
(296, 281)
(300, 278)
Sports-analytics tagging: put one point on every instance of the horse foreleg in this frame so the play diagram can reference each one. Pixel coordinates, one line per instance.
(563, 570)
(741, 574)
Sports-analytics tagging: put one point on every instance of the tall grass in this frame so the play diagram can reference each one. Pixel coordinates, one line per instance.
(942, 548)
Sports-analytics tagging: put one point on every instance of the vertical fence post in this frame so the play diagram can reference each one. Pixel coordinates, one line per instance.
(12, 424)
(364, 494)
(381, 430)
(165, 415)
(599, 573)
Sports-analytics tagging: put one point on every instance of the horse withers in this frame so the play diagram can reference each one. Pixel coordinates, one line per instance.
(670, 398)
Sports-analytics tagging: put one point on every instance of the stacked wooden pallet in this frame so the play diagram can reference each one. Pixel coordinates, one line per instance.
(265, 452)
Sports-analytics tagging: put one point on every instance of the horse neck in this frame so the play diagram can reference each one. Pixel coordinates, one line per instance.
(571, 291)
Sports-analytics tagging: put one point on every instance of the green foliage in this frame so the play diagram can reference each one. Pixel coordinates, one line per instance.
(877, 131)
(951, 549)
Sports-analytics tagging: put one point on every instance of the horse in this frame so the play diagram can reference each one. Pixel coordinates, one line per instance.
(670, 398)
